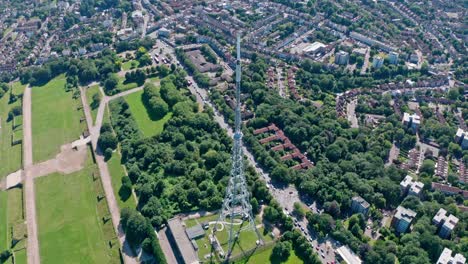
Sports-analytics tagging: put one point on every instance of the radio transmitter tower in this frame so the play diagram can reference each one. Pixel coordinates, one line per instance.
(236, 208)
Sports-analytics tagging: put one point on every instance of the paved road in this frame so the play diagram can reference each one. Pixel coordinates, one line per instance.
(127, 253)
(115, 96)
(30, 197)
(351, 112)
(393, 154)
(366, 62)
(279, 74)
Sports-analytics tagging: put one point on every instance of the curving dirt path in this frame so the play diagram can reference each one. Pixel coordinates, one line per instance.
(127, 253)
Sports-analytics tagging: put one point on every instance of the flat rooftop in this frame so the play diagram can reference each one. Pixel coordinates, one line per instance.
(183, 243)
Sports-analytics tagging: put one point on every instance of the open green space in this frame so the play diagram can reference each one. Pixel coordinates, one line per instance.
(116, 171)
(20, 256)
(94, 105)
(73, 220)
(123, 86)
(3, 221)
(55, 118)
(247, 239)
(12, 226)
(128, 65)
(18, 88)
(16, 222)
(10, 152)
(146, 125)
(264, 256)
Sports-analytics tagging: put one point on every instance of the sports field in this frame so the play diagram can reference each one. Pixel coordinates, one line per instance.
(55, 118)
(146, 125)
(70, 219)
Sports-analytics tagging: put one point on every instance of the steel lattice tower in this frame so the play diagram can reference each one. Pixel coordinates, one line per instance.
(236, 203)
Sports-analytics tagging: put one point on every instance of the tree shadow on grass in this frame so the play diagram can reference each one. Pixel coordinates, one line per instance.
(124, 193)
(152, 114)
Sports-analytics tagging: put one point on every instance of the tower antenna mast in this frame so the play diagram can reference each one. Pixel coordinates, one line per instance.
(236, 212)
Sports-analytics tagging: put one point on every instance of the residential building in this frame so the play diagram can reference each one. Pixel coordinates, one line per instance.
(344, 253)
(446, 258)
(377, 62)
(314, 48)
(445, 223)
(414, 58)
(371, 42)
(462, 173)
(359, 205)
(410, 187)
(413, 121)
(449, 190)
(402, 219)
(462, 138)
(441, 168)
(393, 57)
(164, 32)
(342, 58)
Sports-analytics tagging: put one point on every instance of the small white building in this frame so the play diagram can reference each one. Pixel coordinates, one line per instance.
(314, 48)
(347, 255)
(410, 187)
(446, 258)
(413, 121)
(444, 222)
(462, 138)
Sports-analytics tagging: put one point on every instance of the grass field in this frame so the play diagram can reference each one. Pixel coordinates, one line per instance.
(264, 256)
(16, 217)
(89, 96)
(21, 257)
(3, 221)
(117, 172)
(55, 119)
(121, 86)
(10, 155)
(128, 65)
(147, 126)
(12, 219)
(70, 217)
(247, 239)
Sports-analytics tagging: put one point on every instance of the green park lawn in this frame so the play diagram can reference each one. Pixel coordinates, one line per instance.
(128, 65)
(246, 240)
(116, 171)
(10, 155)
(20, 257)
(71, 229)
(122, 86)
(146, 125)
(11, 218)
(3, 221)
(90, 92)
(264, 256)
(55, 118)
